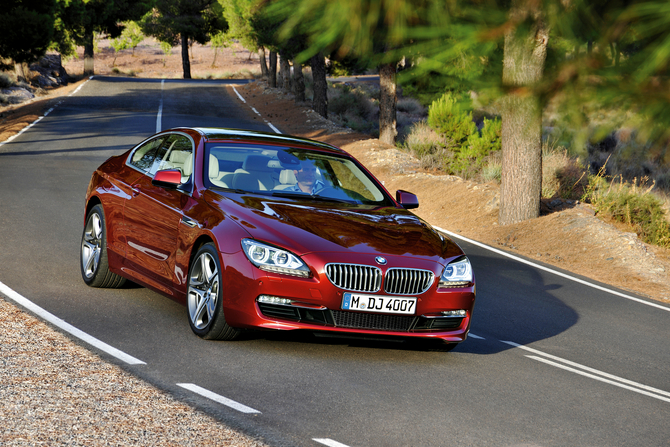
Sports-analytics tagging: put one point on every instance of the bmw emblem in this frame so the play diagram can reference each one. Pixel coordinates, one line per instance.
(380, 260)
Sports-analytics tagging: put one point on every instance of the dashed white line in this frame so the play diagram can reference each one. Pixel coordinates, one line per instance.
(592, 373)
(555, 272)
(217, 398)
(67, 327)
(274, 129)
(160, 109)
(329, 442)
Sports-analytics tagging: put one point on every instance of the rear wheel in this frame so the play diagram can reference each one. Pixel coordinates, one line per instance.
(94, 264)
(204, 301)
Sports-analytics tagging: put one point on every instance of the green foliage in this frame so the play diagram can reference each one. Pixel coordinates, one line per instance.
(170, 20)
(453, 141)
(132, 33)
(119, 44)
(167, 50)
(27, 27)
(478, 146)
(452, 118)
(632, 205)
(238, 14)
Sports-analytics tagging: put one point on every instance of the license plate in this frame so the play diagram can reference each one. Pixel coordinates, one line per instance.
(379, 304)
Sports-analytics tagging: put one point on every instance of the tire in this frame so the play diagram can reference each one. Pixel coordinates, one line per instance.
(93, 254)
(205, 295)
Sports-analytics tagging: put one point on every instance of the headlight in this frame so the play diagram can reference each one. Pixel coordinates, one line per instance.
(457, 274)
(273, 259)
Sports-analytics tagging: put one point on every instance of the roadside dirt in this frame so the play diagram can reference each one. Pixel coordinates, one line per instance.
(568, 235)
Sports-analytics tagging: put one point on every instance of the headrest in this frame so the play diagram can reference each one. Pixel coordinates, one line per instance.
(287, 177)
(179, 156)
(187, 169)
(213, 167)
(256, 163)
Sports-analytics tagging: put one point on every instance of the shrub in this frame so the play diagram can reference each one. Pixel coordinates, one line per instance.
(449, 117)
(469, 147)
(632, 205)
(411, 106)
(478, 146)
(562, 175)
(352, 107)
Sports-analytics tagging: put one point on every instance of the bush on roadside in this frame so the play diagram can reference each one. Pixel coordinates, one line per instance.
(632, 204)
(457, 145)
(353, 107)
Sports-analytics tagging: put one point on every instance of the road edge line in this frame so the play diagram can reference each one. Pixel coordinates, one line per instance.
(67, 327)
(550, 270)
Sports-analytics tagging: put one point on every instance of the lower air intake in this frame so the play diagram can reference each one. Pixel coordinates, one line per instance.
(358, 320)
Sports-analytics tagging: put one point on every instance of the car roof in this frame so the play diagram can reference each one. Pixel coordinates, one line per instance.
(220, 134)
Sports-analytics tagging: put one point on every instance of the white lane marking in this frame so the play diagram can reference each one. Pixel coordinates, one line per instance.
(601, 379)
(273, 127)
(43, 116)
(83, 336)
(475, 336)
(555, 272)
(217, 398)
(329, 442)
(238, 95)
(257, 112)
(594, 373)
(160, 109)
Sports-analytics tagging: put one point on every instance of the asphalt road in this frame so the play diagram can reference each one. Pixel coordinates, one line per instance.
(552, 362)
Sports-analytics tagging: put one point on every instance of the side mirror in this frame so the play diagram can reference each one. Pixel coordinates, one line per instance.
(406, 199)
(168, 178)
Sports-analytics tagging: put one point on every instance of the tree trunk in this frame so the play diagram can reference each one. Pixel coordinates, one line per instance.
(264, 63)
(285, 73)
(320, 101)
(387, 103)
(298, 82)
(523, 63)
(89, 65)
(185, 61)
(20, 71)
(272, 72)
(280, 74)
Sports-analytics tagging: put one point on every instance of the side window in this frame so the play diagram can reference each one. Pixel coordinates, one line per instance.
(178, 154)
(144, 156)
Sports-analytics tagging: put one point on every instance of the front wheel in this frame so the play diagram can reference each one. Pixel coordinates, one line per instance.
(204, 301)
(94, 265)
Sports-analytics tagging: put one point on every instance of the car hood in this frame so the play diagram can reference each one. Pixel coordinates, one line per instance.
(305, 227)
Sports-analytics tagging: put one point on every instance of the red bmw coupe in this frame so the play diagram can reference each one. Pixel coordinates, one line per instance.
(258, 231)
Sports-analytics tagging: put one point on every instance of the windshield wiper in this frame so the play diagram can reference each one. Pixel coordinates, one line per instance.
(304, 195)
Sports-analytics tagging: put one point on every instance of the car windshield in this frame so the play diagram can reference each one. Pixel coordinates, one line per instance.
(290, 172)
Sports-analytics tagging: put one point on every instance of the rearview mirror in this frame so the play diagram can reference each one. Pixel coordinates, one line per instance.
(406, 199)
(167, 178)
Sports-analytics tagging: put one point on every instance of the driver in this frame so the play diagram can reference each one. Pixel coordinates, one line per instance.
(306, 177)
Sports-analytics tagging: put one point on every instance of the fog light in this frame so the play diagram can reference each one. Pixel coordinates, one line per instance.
(454, 313)
(273, 300)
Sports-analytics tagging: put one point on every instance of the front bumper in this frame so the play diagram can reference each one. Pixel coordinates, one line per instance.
(316, 304)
